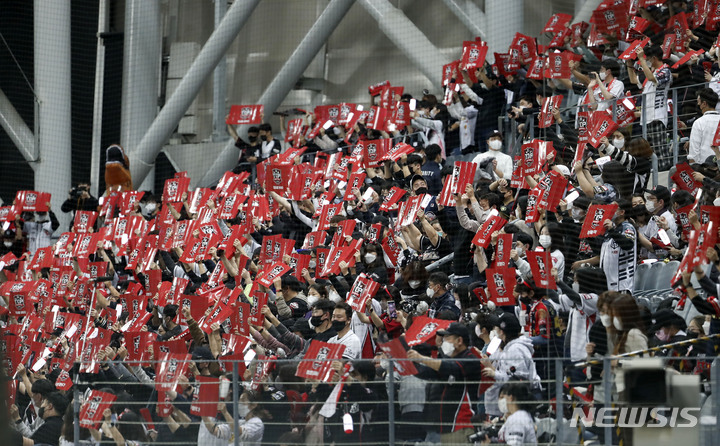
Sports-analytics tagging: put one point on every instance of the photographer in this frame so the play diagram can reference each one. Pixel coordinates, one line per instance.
(517, 403)
(79, 199)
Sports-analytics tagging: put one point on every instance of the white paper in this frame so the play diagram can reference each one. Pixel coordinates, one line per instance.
(494, 345)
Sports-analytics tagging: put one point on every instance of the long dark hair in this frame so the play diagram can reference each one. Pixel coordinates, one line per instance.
(130, 427)
(626, 309)
(615, 173)
(522, 396)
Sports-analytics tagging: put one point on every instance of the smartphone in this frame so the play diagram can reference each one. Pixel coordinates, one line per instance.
(392, 312)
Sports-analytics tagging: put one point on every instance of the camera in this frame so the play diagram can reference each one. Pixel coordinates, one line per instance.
(492, 431)
(77, 191)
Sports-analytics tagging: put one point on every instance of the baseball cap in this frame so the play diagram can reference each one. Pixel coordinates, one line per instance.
(509, 324)
(457, 329)
(415, 178)
(563, 170)
(202, 354)
(666, 318)
(660, 192)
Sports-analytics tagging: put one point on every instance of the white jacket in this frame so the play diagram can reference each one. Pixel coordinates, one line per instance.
(515, 360)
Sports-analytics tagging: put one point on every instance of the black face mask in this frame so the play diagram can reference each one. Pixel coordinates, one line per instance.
(252, 138)
(316, 321)
(526, 300)
(264, 137)
(338, 325)
(41, 412)
(421, 190)
(692, 334)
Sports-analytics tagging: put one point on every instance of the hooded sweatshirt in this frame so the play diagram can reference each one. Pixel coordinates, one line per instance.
(516, 359)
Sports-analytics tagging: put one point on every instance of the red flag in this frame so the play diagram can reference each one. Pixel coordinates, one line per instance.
(625, 111)
(629, 53)
(169, 368)
(686, 58)
(552, 186)
(362, 290)
(502, 250)
(91, 411)
(526, 47)
(540, 265)
(391, 198)
(684, 219)
(636, 28)
(245, 114)
(399, 150)
(259, 300)
(356, 180)
(501, 284)
(395, 350)
(601, 125)
(679, 26)
(536, 68)
(279, 178)
(473, 55)
(484, 235)
(84, 221)
(32, 201)
(424, 329)
(317, 362)
(546, 116)
(596, 216)
(557, 23)
(449, 72)
(206, 396)
(684, 179)
(463, 174)
(174, 189)
(558, 65)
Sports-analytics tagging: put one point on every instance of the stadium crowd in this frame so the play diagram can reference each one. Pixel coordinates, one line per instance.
(409, 229)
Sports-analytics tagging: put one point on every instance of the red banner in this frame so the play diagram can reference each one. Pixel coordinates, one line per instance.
(391, 198)
(540, 265)
(546, 116)
(502, 250)
(206, 396)
(596, 216)
(245, 114)
(362, 290)
(473, 55)
(553, 187)
(423, 329)
(91, 411)
(684, 179)
(601, 125)
(317, 362)
(463, 174)
(484, 235)
(501, 285)
(557, 23)
(395, 350)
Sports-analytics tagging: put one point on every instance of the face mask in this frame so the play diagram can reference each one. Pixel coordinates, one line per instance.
(493, 334)
(650, 206)
(421, 190)
(312, 300)
(440, 233)
(662, 335)
(602, 75)
(576, 214)
(316, 321)
(478, 330)
(243, 410)
(41, 218)
(616, 322)
(369, 258)
(619, 143)
(264, 137)
(414, 283)
(252, 138)
(520, 251)
(447, 348)
(8, 244)
(495, 144)
(716, 202)
(384, 364)
(430, 292)
(576, 287)
(312, 264)
(338, 325)
(545, 241)
(706, 328)
(606, 320)
(502, 405)
(41, 412)
(151, 207)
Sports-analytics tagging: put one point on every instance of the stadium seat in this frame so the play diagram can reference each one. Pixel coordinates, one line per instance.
(667, 273)
(641, 273)
(655, 276)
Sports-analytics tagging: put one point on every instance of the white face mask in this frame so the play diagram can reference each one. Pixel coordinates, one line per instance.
(520, 251)
(414, 283)
(493, 334)
(576, 214)
(243, 410)
(495, 144)
(502, 405)
(447, 348)
(617, 323)
(606, 320)
(430, 292)
(650, 206)
(716, 202)
(576, 287)
(312, 264)
(619, 143)
(706, 328)
(518, 214)
(369, 258)
(602, 75)
(8, 244)
(545, 241)
(384, 364)
(151, 207)
(478, 330)
(312, 300)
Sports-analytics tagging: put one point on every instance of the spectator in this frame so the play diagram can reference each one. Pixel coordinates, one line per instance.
(341, 318)
(79, 199)
(703, 129)
(502, 164)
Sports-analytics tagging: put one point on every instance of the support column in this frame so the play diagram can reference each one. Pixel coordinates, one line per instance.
(144, 155)
(219, 83)
(460, 13)
(585, 11)
(52, 86)
(286, 78)
(408, 38)
(504, 19)
(142, 56)
(17, 130)
(103, 26)
(476, 14)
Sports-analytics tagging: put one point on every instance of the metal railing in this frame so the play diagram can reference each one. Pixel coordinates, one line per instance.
(557, 413)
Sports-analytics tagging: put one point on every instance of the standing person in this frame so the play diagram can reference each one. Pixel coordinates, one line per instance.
(655, 88)
(456, 374)
(39, 229)
(249, 151)
(703, 129)
(432, 168)
(52, 410)
(618, 255)
(270, 146)
(502, 162)
(79, 199)
(341, 318)
(636, 156)
(493, 101)
(442, 298)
